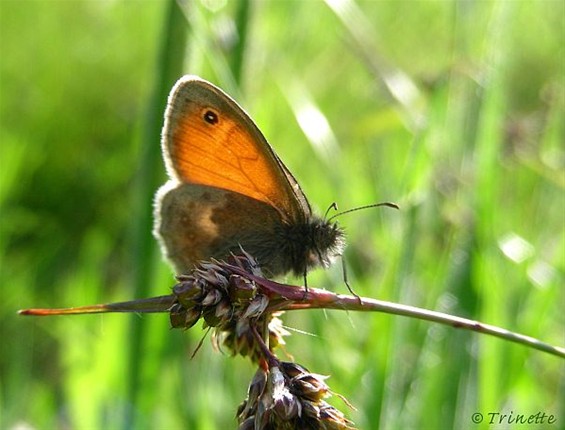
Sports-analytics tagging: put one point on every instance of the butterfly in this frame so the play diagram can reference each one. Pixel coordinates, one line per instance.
(228, 190)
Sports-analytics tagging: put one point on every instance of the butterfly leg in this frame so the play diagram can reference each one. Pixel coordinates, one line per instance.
(346, 282)
(305, 286)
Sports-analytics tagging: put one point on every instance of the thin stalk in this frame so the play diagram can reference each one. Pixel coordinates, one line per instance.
(289, 298)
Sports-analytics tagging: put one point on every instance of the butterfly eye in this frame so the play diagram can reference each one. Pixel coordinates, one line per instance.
(210, 117)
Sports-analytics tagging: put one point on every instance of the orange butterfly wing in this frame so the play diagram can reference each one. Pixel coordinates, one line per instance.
(209, 140)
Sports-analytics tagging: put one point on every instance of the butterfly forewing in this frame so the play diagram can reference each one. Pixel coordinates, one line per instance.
(209, 140)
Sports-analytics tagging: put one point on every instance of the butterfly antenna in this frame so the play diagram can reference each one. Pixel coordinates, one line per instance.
(332, 206)
(375, 205)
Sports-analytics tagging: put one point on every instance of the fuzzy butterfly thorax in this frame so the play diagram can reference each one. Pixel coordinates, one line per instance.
(309, 244)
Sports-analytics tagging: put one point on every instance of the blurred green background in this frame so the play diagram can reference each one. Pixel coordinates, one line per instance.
(454, 110)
